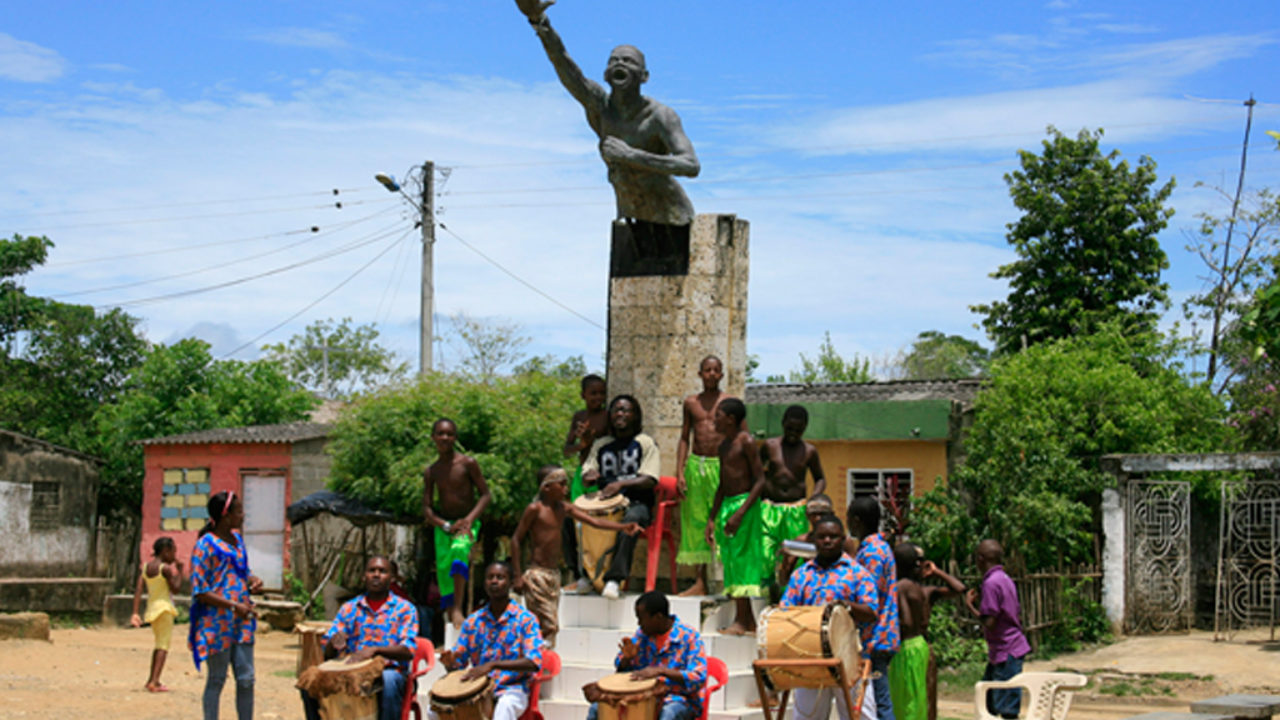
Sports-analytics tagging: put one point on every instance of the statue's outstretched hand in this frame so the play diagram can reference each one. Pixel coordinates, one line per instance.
(534, 9)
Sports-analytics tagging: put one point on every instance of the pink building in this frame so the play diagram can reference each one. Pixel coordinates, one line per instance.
(269, 466)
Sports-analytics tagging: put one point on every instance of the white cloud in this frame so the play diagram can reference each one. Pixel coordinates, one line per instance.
(28, 62)
(301, 37)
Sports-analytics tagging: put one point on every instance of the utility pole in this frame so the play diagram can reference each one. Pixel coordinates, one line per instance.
(1220, 299)
(428, 279)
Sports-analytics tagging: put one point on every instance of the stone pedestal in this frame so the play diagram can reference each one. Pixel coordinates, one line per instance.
(661, 326)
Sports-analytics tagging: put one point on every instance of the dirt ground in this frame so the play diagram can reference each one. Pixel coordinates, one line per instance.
(99, 673)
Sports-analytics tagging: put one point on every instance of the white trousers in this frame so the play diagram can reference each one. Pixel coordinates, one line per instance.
(814, 704)
(508, 706)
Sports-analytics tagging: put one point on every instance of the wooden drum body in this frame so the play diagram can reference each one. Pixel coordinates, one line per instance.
(453, 698)
(622, 698)
(310, 644)
(343, 690)
(808, 632)
(595, 544)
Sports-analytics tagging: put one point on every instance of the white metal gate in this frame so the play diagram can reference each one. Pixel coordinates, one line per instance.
(1158, 583)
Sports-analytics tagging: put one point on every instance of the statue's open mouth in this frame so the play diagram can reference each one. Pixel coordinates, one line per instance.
(619, 75)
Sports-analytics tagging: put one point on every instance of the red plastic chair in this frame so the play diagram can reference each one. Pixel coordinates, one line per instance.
(550, 669)
(658, 533)
(424, 653)
(718, 671)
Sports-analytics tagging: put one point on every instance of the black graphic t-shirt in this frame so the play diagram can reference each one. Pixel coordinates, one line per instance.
(620, 459)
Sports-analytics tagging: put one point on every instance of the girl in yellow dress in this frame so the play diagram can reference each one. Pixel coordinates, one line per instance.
(162, 577)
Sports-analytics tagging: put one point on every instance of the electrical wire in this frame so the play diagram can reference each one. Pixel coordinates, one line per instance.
(196, 203)
(197, 271)
(217, 243)
(519, 279)
(393, 281)
(318, 300)
(243, 213)
(239, 281)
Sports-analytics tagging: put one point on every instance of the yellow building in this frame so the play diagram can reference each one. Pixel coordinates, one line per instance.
(869, 435)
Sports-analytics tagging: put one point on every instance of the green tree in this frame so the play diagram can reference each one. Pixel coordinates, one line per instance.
(1237, 249)
(934, 355)
(828, 366)
(486, 346)
(1086, 244)
(338, 359)
(180, 388)
(512, 426)
(1253, 343)
(58, 362)
(1045, 417)
(570, 368)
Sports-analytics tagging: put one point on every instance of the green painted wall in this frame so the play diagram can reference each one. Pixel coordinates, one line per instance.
(887, 420)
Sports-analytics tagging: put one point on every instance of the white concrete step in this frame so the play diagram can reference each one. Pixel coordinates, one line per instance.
(577, 710)
(738, 692)
(708, 613)
(600, 646)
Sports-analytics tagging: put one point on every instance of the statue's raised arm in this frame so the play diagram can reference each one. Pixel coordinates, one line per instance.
(641, 140)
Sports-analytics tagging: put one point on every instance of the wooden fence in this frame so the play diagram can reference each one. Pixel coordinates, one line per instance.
(1043, 597)
(116, 552)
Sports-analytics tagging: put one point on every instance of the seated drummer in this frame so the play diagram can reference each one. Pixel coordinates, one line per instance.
(625, 461)
(663, 648)
(377, 623)
(501, 640)
(832, 576)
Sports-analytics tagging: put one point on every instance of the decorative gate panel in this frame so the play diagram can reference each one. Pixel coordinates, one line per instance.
(1248, 572)
(1158, 581)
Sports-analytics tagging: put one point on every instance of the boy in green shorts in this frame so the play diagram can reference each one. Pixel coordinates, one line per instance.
(735, 516)
(787, 461)
(698, 472)
(463, 496)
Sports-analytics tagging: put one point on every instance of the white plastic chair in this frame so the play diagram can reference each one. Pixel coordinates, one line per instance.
(1050, 694)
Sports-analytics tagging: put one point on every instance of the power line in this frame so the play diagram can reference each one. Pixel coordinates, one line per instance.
(197, 271)
(320, 299)
(216, 243)
(398, 271)
(243, 213)
(519, 279)
(239, 281)
(194, 203)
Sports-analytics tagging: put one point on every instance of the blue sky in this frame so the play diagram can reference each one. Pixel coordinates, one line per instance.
(170, 147)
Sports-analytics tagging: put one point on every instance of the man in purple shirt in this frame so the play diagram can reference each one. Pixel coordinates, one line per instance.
(997, 607)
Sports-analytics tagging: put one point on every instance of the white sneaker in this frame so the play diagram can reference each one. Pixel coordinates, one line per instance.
(610, 590)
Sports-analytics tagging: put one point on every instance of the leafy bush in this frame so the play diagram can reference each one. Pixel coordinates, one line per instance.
(510, 425)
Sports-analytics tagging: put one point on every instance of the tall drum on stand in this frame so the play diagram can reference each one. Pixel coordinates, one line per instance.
(809, 647)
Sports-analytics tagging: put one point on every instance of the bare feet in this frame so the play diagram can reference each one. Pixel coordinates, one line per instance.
(156, 688)
(738, 628)
(697, 588)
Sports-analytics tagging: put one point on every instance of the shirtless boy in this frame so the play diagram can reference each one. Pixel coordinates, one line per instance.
(541, 523)
(913, 680)
(463, 496)
(585, 426)
(698, 473)
(787, 461)
(735, 515)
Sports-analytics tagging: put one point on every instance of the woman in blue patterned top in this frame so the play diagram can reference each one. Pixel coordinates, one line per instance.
(222, 617)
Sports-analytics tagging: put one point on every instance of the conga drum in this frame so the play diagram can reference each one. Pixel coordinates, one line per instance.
(622, 698)
(453, 698)
(310, 644)
(596, 545)
(812, 632)
(343, 690)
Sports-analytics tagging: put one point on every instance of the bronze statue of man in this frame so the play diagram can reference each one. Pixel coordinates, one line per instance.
(641, 140)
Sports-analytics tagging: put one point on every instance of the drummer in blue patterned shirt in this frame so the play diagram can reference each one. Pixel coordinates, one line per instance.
(875, 555)
(378, 622)
(663, 648)
(832, 577)
(501, 640)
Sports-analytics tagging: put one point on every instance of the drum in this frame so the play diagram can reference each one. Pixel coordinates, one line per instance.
(596, 545)
(310, 644)
(622, 698)
(453, 698)
(808, 632)
(343, 690)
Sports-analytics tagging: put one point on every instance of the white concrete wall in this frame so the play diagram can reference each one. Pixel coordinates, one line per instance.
(1113, 558)
(22, 549)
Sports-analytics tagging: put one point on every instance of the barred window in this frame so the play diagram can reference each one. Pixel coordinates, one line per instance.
(46, 505)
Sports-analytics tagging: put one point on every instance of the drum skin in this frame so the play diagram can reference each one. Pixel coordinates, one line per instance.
(815, 632)
(453, 698)
(593, 543)
(622, 698)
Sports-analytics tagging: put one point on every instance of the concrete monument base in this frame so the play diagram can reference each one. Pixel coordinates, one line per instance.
(661, 326)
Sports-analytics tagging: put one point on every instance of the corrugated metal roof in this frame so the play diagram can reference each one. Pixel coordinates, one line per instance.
(963, 390)
(283, 433)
